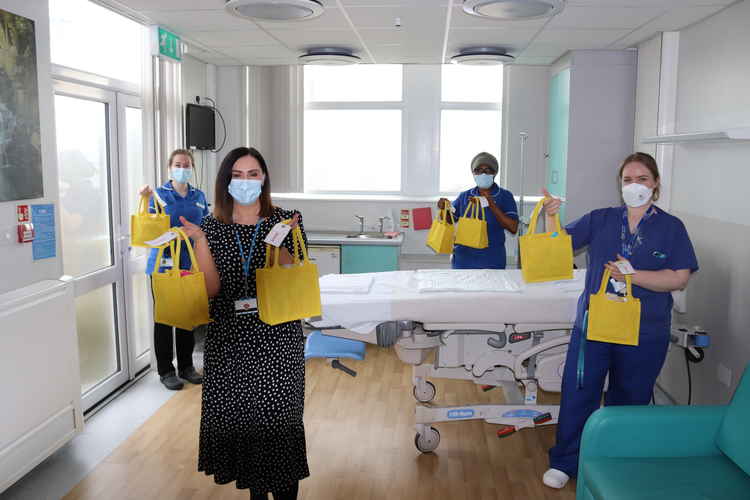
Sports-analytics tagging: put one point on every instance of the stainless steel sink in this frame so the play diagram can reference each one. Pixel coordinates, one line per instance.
(370, 236)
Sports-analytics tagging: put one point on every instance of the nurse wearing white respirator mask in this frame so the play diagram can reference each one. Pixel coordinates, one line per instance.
(656, 247)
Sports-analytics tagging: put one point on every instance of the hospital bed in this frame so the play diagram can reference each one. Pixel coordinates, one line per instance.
(511, 335)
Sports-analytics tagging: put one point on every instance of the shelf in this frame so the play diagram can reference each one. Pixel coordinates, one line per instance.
(732, 134)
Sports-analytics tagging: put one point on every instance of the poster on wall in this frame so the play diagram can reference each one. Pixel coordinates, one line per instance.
(20, 139)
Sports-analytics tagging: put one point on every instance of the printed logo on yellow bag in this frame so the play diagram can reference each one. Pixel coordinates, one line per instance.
(472, 227)
(288, 293)
(440, 237)
(180, 296)
(546, 256)
(612, 318)
(145, 226)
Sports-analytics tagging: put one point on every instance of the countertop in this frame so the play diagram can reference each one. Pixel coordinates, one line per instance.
(340, 238)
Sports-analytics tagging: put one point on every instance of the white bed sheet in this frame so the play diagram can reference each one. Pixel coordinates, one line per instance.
(395, 296)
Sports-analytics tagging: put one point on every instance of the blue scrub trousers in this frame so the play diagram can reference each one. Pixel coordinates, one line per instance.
(632, 375)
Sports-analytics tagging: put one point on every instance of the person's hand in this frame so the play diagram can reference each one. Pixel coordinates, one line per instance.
(614, 270)
(191, 230)
(145, 191)
(487, 196)
(295, 220)
(551, 204)
(443, 203)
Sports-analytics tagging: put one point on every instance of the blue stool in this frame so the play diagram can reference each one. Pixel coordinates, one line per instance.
(319, 345)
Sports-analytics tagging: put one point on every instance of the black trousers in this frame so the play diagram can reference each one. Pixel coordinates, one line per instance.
(164, 352)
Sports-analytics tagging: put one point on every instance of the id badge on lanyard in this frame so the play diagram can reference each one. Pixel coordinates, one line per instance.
(629, 242)
(247, 304)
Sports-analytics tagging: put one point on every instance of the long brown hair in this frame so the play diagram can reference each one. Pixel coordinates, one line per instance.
(223, 201)
(647, 161)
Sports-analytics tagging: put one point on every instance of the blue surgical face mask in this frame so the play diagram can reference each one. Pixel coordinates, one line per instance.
(484, 180)
(245, 191)
(182, 175)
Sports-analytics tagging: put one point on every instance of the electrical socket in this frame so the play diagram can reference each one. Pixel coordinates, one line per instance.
(724, 375)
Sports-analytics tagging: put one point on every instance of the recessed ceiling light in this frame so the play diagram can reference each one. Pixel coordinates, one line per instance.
(482, 56)
(513, 9)
(275, 10)
(329, 56)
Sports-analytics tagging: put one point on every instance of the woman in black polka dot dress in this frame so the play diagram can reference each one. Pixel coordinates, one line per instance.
(251, 427)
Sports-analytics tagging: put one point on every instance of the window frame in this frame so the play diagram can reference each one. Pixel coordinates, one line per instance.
(421, 116)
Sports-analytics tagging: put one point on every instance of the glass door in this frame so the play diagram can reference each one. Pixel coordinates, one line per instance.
(133, 175)
(91, 233)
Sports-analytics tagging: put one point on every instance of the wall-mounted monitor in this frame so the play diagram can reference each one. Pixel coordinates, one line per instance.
(200, 127)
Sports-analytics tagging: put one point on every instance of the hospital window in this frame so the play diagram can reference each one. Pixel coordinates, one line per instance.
(353, 128)
(82, 37)
(470, 120)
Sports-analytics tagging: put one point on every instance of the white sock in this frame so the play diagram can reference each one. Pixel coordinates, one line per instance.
(555, 478)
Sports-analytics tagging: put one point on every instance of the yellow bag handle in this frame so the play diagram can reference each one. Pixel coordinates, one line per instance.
(535, 217)
(160, 254)
(477, 212)
(444, 213)
(300, 250)
(193, 260)
(143, 205)
(605, 280)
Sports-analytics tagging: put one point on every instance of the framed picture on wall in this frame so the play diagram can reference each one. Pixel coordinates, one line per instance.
(20, 138)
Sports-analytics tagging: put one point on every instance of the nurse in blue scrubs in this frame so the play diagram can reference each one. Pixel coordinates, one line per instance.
(658, 247)
(501, 213)
(178, 198)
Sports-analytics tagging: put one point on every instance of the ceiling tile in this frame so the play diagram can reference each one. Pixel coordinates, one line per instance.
(203, 20)
(332, 18)
(412, 18)
(303, 39)
(250, 36)
(580, 39)
(493, 37)
(154, 5)
(535, 60)
(647, 3)
(538, 49)
(677, 19)
(266, 52)
(604, 17)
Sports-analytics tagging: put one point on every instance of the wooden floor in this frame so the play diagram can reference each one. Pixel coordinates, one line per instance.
(360, 439)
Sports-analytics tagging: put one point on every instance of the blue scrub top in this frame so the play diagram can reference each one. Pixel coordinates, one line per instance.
(492, 257)
(662, 243)
(193, 207)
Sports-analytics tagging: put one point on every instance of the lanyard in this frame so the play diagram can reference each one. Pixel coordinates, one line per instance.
(629, 242)
(247, 259)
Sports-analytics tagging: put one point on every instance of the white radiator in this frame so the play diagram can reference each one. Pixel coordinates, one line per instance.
(40, 388)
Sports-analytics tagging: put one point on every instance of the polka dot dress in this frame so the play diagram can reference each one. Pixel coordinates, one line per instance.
(251, 428)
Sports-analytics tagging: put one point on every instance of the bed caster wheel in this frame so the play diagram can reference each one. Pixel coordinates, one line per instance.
(426, 394)
(427, 442)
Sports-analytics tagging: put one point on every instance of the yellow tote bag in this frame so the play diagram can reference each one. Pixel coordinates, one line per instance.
(440, 237)
(288, 293)
(145, 226)
(614, 319)
(180, 297)
(546, 256)
(472, 228)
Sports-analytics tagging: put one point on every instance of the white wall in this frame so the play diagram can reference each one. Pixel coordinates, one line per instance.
(17, 267)
(196, 76)
(647, 94)
(709, 193)
(602, 110)
(525, 108)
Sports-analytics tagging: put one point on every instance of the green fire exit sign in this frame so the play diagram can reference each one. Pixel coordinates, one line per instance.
(169, 44)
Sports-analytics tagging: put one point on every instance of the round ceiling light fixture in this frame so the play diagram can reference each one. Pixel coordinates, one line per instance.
(329, 56)
(275, 10)
(512, 10)
(482, 56)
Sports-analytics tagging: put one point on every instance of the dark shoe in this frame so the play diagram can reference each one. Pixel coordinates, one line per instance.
(191, 375)
(171, 382)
